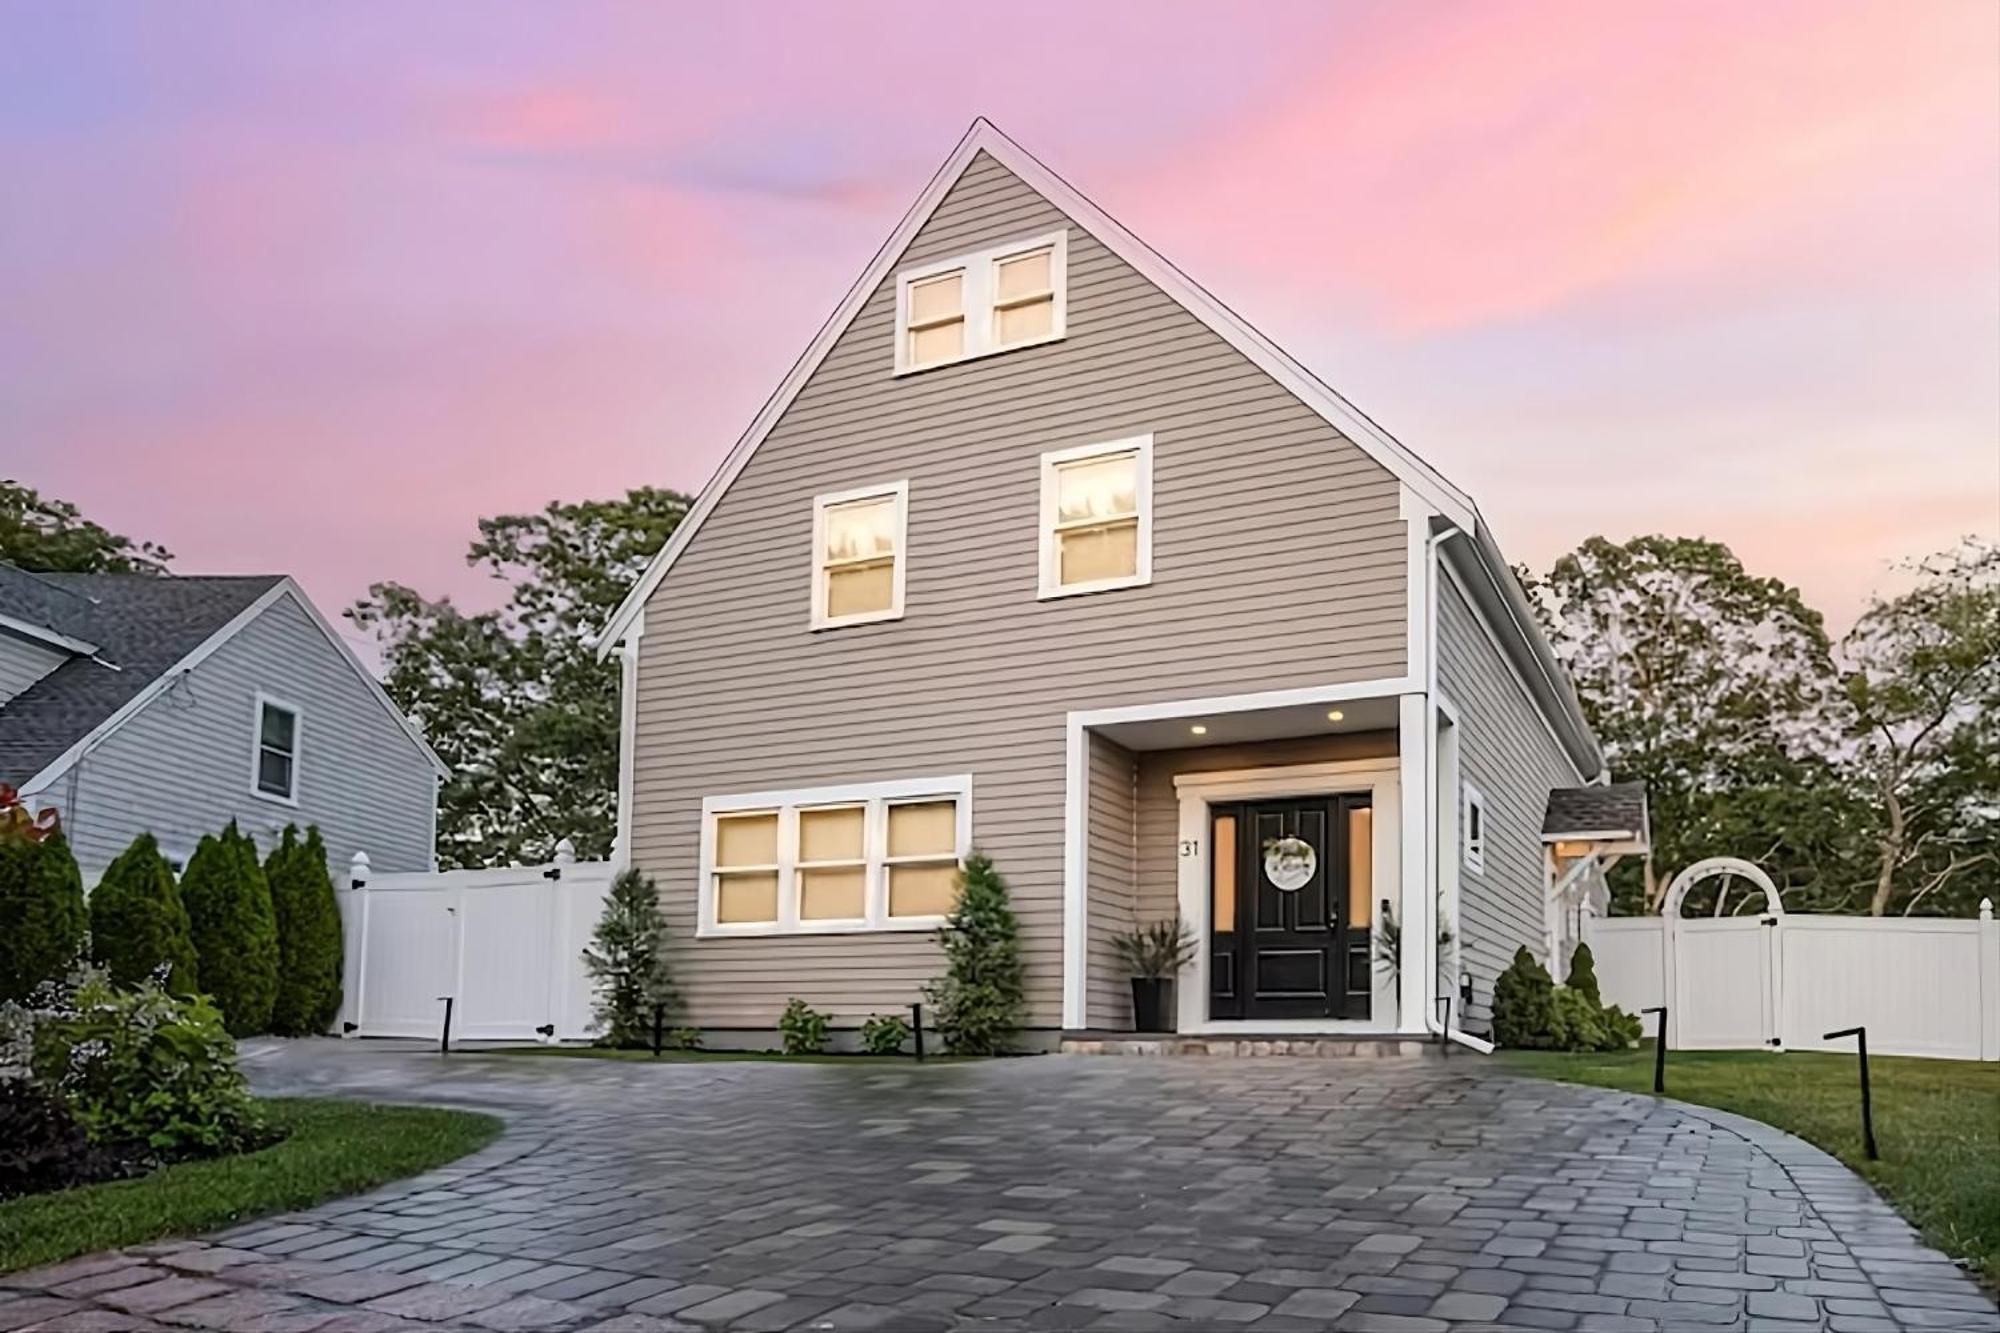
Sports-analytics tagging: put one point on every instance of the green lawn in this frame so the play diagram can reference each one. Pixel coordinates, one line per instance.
(1937, 1123)
(331, 1148)
(696, 1057)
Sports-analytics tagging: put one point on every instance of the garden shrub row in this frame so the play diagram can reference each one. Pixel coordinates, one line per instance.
(1532, 1013)
(261, 939)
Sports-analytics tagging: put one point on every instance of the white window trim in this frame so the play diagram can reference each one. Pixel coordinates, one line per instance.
(981, 315)
(877, 797)
(1051, 550)
(900, 491)
(259, 702)
(1475, 848)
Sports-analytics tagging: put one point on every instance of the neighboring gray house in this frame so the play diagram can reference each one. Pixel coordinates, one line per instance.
(172, 705)
(1041, 550)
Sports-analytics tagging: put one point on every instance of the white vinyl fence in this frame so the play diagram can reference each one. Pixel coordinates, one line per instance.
(1921, 986)
(505, 944)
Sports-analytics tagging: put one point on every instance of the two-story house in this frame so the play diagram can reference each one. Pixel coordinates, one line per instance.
(1040, 549)
(171, 705)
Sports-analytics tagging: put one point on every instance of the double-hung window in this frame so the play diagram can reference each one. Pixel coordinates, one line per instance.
(274, 771)
(1097, 517)
(993, 300)
(858, 555)
(874, 856)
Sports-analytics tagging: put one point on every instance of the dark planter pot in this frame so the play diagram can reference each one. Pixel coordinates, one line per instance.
(1152, 1004)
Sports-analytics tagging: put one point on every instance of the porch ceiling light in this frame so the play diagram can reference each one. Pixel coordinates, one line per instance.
(1334, 715)
(1198, 729)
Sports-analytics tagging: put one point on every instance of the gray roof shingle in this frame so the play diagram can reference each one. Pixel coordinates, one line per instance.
(142, 625)
(1617, 808)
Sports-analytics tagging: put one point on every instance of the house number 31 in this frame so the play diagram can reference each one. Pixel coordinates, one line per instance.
(1190, 847)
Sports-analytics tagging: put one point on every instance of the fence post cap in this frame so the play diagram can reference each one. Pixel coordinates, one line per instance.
(1985, 909)
(565, 852)
(357, 868)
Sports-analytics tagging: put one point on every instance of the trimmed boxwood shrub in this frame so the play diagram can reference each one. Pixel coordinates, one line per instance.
(138, 923)
(235, 932)
(43, 921)
(309, 939)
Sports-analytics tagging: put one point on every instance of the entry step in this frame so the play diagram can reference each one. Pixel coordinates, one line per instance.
(1245, 1046)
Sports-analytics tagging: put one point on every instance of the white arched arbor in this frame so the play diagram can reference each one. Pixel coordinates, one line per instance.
(1735, 1001)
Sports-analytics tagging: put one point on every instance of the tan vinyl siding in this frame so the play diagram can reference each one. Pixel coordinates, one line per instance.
(1113, 852)
(1278, 562)
(1506, 751)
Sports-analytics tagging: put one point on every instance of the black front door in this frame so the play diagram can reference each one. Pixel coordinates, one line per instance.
(1288, 942)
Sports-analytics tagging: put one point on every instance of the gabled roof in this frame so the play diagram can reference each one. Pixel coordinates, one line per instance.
(36, 607)
(1611, 812)
(141, 631)
(983, 137)
(1451, 505)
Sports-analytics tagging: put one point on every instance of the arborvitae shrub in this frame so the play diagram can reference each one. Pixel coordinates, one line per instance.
(1583, 973)
(43, 921)
(235, 933)
(980, 1003)
(309, 939)
(138, 923)
(627, 961)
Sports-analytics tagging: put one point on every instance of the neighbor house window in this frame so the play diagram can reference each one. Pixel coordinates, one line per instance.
(874, 856)
(1475, 830)
(1097, 520)
(994, 300)
(858, 555)
(275, 771)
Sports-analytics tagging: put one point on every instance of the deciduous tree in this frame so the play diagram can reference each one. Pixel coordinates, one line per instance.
(515, 700)
(52, 536)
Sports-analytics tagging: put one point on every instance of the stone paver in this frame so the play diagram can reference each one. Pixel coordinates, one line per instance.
(1060, 1192)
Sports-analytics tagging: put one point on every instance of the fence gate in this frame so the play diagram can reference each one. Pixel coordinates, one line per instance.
(505, 944)
(1725, 983)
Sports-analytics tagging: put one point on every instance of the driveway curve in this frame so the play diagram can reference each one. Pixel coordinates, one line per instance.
(1055, 1192)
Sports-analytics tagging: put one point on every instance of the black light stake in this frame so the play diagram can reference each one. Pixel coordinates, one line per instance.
(1867, 1107)
(444, 1038)
(1444, 1028)
(917, 1029)
(659, 1024)
(1659, 1049)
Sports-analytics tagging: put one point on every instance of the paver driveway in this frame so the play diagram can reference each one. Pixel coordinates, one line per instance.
(1060, 1192)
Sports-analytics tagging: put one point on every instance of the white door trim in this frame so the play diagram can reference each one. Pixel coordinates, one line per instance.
(1381, 778)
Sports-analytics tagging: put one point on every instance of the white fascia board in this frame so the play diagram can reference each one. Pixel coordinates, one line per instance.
(43, 634)
(1342, 415)
(347, 654)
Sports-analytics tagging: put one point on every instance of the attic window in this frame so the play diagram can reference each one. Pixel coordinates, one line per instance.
(275, 766)
(974, 305)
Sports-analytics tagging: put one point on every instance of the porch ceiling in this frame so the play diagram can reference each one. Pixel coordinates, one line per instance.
(1262, 724)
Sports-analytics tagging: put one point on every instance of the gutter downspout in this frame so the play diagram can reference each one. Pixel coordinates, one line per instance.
(1431, 1024)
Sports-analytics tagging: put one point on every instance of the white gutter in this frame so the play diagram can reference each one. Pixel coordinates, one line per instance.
(1431, 1024)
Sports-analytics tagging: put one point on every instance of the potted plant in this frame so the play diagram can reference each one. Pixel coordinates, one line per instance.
(1154, 953)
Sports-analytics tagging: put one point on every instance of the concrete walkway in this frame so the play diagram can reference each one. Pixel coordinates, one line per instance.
(1055, 1192)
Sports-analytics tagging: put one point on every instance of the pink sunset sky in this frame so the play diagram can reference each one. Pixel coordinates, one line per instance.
(312, 288)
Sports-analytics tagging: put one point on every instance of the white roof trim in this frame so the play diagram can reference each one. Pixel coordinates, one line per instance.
(27, 629)
(1261, 351)
(284, 587)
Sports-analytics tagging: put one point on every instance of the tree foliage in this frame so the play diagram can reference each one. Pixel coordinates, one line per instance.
(138, 923)
(514, 699)
(627, 961)
(310, 945)
(980, 1003)
(1863, 776)
(234, 929)
(52, 536)
(43, 921)
(1923, 684)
